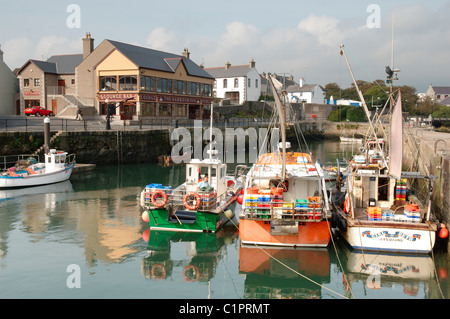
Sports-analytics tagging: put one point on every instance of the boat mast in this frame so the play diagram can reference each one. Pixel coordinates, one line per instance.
(361, 97)
(281, 114)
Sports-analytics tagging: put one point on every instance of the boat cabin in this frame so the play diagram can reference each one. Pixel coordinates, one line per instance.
(196, 170)
(55, 160)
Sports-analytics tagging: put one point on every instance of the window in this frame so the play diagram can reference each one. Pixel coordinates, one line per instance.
(225, 83)
(256, 83)
(26, 82)
(249, 82)
(194, 88)
(179, 87)
(73, 81)
(128, 83)
(148, 83)
(37, 82)
(148, 109)
(206, 89)
(164, 85)
(108, 83)
(236, 83)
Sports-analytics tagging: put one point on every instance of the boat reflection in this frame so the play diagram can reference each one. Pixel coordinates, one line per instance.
(273, 273)
(61, 187)
(380, 273)
(197, 262)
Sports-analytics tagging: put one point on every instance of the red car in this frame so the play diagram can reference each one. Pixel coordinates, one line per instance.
(38, 111)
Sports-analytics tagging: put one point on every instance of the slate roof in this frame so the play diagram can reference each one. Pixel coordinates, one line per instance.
(158, 60)
(231, 72)
(441, 89)
(66, 64)
(445, 101)
(304, 88)
(57, 64)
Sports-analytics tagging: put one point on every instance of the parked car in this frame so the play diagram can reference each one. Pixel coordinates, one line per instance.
(38, 111)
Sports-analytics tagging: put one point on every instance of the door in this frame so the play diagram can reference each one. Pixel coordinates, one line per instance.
(62, 87)
(54, 106)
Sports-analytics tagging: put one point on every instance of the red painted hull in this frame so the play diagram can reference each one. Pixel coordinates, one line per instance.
(310, 234)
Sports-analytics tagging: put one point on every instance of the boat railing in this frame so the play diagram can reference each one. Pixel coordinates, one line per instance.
(181, 199)
(7, 161)
(311, 212)
(70, 159)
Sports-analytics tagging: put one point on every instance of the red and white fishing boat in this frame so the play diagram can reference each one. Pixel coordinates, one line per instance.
(284, 202)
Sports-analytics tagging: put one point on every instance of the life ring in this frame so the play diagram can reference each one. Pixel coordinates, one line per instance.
(156, 194)
(186, 201)
(347, 204)
(230, 183)
(161, 269)
(195, 273)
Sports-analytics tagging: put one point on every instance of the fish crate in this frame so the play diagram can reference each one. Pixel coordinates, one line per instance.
(374, 213)
(412, 213)
(208, 199)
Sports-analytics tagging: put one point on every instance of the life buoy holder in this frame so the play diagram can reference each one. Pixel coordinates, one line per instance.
(158, 271)
(186, 201)
(157, 194)
(191, 277)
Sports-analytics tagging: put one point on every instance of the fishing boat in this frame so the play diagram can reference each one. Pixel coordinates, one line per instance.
(284, 202)
(28, 171)
(378, 211)
(192, 207)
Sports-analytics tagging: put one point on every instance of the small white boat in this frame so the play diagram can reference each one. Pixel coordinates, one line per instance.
(57, 168)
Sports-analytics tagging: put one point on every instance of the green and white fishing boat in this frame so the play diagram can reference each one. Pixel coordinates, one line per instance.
(193, 207)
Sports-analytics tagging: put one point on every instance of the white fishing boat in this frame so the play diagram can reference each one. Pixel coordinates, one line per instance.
(285, 202)
(377, 214)
(27, 171)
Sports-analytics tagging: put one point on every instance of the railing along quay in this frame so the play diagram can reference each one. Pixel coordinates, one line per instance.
(35, 124)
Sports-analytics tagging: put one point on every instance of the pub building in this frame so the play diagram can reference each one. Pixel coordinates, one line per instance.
(144, 83)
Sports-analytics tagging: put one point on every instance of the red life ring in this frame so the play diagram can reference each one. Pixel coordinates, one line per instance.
(191, 277)
(156, 194)
(158, 271)
(347, 204)
(197, 201)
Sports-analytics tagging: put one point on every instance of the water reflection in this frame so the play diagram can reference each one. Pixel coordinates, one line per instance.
(275, 273)
(197, 260)
(380, 275)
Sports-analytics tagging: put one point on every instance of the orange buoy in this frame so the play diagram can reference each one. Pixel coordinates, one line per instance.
(443, 232)
(240, 199)
(146, 235)
(145, 217)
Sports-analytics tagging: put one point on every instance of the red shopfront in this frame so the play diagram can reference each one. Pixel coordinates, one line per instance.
(125, 104)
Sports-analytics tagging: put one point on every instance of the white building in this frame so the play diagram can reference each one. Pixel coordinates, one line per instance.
(8, 88)
(306, 93)
(239, 83)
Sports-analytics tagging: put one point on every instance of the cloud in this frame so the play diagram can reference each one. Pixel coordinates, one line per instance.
(163, 39)
(16, 51)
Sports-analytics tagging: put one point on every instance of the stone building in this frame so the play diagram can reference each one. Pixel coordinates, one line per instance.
(8, 89)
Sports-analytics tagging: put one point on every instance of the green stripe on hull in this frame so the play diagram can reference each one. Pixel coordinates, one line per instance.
(204, 222)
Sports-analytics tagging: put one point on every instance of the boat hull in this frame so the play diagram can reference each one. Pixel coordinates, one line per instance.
(200, 222)
(310, 234)
(36, 180)
(388, 236)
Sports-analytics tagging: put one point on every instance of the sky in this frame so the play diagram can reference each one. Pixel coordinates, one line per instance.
(292, 37)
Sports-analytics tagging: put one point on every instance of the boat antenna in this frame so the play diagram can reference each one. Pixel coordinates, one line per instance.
(211, 132)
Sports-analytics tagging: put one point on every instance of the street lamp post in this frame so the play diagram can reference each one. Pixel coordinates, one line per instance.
(108, 116)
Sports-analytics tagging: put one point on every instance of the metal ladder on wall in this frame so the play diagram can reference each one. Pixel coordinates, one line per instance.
(119, 147)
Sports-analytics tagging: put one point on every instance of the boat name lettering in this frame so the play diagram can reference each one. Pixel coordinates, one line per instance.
(398, 235)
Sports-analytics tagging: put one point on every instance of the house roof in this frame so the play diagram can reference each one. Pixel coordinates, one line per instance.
(441, 89)
(230, 72)
(66, 64)
(57, 64)
(445, 101)
(305, 88)
(158, 60)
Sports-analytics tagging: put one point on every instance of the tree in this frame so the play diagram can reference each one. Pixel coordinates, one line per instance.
(356, 114)
(333, 90)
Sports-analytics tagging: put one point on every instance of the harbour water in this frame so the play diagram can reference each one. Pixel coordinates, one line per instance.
(85, 239)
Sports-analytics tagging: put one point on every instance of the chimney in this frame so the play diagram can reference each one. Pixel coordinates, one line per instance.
(186, 53)
(88, 45)
(1, 54)
(252, 63)
(227, 65)
(301, 81)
